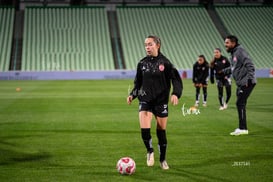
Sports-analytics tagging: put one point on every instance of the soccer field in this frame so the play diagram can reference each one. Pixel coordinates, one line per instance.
(77, 131)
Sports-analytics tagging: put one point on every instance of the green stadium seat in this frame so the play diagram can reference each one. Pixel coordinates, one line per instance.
(64, 37)
(6, 33)
(185, 32)
(254, 28)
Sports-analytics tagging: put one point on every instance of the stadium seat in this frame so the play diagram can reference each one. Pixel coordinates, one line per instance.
(254, 28)
(185, 32)
(6, 33)
(66, 39)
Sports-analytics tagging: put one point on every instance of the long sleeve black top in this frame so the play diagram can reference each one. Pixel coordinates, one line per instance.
(217, 68)
(200, 73)
(153, 80)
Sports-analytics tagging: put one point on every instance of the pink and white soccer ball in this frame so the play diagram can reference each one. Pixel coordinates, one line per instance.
(126, 165)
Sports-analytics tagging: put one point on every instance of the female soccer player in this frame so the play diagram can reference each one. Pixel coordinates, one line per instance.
(217, 67)
(152, 86)
(200, 79)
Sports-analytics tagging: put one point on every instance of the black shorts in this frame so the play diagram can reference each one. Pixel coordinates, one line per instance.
(160, 110)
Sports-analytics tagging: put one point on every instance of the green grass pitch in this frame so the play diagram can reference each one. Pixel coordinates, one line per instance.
(77, 131)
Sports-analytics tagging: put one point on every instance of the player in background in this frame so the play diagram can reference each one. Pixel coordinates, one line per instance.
(152, 85)
(243, 72)
(200, 79)
(217, 65)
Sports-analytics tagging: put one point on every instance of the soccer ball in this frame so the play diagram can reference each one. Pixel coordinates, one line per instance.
(126, 165)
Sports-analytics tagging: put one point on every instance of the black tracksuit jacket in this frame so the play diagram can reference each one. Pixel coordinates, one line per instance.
(153, 80)
(200, 73)
(217, 68)
(242, 67)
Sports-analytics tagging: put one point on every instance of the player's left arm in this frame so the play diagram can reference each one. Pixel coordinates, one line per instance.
(250, 68)
(212, 74)
(206, 75)
(176, 82)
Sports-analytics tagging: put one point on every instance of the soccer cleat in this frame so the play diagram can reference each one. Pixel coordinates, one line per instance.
(150, 159)
(204, 104)
(164, 165)
(225, 106)
(238, 132)
(196, 104)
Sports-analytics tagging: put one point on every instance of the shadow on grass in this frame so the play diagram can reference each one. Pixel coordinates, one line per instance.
(9, 157)
(10, 154)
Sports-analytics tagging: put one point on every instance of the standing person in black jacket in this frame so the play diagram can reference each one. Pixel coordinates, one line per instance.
(200, 79)
(152, 85)
(243, 72)
(217, 65)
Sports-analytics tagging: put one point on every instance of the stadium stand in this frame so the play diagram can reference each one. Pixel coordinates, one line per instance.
(79, 38)
(186, 32)
(254, 28)
(6, 31)
(63, 39)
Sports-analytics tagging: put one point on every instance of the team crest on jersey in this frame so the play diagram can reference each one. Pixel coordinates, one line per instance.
(161, 67)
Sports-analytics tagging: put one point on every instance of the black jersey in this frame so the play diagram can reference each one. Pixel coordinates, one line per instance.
(200, 73)
(153, 80)
(216, 68)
